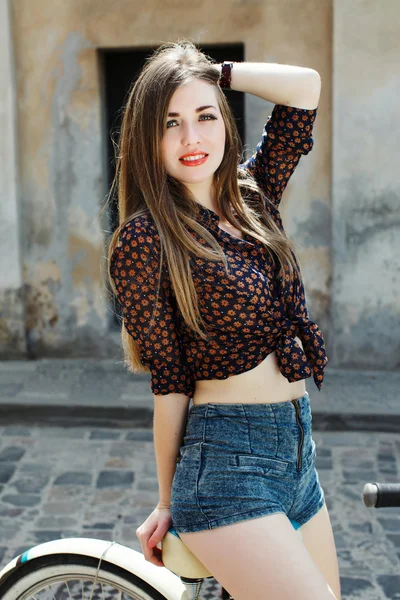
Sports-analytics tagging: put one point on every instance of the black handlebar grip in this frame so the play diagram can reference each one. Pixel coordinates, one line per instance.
(381, 495)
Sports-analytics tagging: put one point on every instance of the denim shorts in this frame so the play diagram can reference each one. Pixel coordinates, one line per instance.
(242, 461)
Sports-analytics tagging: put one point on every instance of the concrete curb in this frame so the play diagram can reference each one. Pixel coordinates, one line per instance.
(93, 391)
(139, 417)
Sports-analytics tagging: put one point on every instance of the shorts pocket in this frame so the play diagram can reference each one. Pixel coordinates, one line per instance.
(189, 453)
(259, 464)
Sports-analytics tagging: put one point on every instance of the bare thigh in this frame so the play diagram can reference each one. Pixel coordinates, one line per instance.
(318, 539)
(258, 559)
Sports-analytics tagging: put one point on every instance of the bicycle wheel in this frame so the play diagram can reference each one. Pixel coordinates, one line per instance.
(74, 577)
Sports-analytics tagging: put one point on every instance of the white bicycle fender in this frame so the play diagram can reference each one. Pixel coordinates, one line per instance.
(160, 578)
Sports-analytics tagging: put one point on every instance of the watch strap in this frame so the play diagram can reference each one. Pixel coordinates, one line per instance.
(225, 78)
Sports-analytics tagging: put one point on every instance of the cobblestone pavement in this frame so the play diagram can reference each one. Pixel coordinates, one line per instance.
(101, 482)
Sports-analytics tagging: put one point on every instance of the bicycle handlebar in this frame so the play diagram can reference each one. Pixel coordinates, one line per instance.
(381, 495)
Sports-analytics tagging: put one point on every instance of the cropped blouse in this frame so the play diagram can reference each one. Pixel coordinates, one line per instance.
(249, 314)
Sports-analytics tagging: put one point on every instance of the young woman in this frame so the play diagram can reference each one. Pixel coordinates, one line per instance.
(214, 308)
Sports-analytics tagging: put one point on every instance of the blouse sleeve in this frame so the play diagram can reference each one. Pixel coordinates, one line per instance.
(135, 270)
(286, 136)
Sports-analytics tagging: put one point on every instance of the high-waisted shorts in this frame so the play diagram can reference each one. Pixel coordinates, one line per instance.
(242, 461)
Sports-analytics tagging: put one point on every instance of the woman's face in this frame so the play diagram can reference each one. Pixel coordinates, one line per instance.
(192, 130)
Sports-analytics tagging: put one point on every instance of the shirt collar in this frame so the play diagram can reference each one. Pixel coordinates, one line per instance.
(207, 216)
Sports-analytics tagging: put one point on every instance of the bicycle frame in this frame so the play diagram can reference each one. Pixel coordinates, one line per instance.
(160, 578)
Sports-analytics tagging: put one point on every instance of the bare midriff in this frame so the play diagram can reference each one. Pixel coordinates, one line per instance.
(263, 384)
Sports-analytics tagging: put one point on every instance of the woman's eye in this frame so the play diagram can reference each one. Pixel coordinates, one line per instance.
(212, 117)
(207, 117)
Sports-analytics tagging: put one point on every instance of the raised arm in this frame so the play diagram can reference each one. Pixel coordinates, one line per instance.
(280, 84)
(287, 134)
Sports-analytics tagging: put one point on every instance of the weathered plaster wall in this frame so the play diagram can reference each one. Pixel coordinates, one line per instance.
(366, 186)
(12, 331)
(300, 33)
(62, 175)
(61, 179)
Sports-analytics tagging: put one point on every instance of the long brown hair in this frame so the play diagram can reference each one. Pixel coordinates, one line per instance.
(144, 186)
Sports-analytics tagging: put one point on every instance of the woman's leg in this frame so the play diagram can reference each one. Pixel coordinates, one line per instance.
(318, 539)
(260, 558)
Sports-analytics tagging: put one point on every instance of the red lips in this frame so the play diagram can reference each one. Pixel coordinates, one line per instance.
(193, 163)
(193, 154)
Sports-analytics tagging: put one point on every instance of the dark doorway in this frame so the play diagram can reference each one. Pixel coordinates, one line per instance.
(119, 69)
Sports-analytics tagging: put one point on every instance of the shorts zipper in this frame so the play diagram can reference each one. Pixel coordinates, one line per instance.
(299, 461)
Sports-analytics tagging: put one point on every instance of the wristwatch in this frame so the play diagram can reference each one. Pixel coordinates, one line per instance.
(225, 77)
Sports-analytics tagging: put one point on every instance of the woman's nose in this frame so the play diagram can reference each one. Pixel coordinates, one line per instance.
(190, 135)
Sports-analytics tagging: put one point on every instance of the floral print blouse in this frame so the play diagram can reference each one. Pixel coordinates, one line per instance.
(248, 315)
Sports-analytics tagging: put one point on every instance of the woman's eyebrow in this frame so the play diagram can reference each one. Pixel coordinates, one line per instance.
(175, 114)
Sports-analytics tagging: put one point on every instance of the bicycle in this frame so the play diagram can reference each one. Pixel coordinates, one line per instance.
(78, 568)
